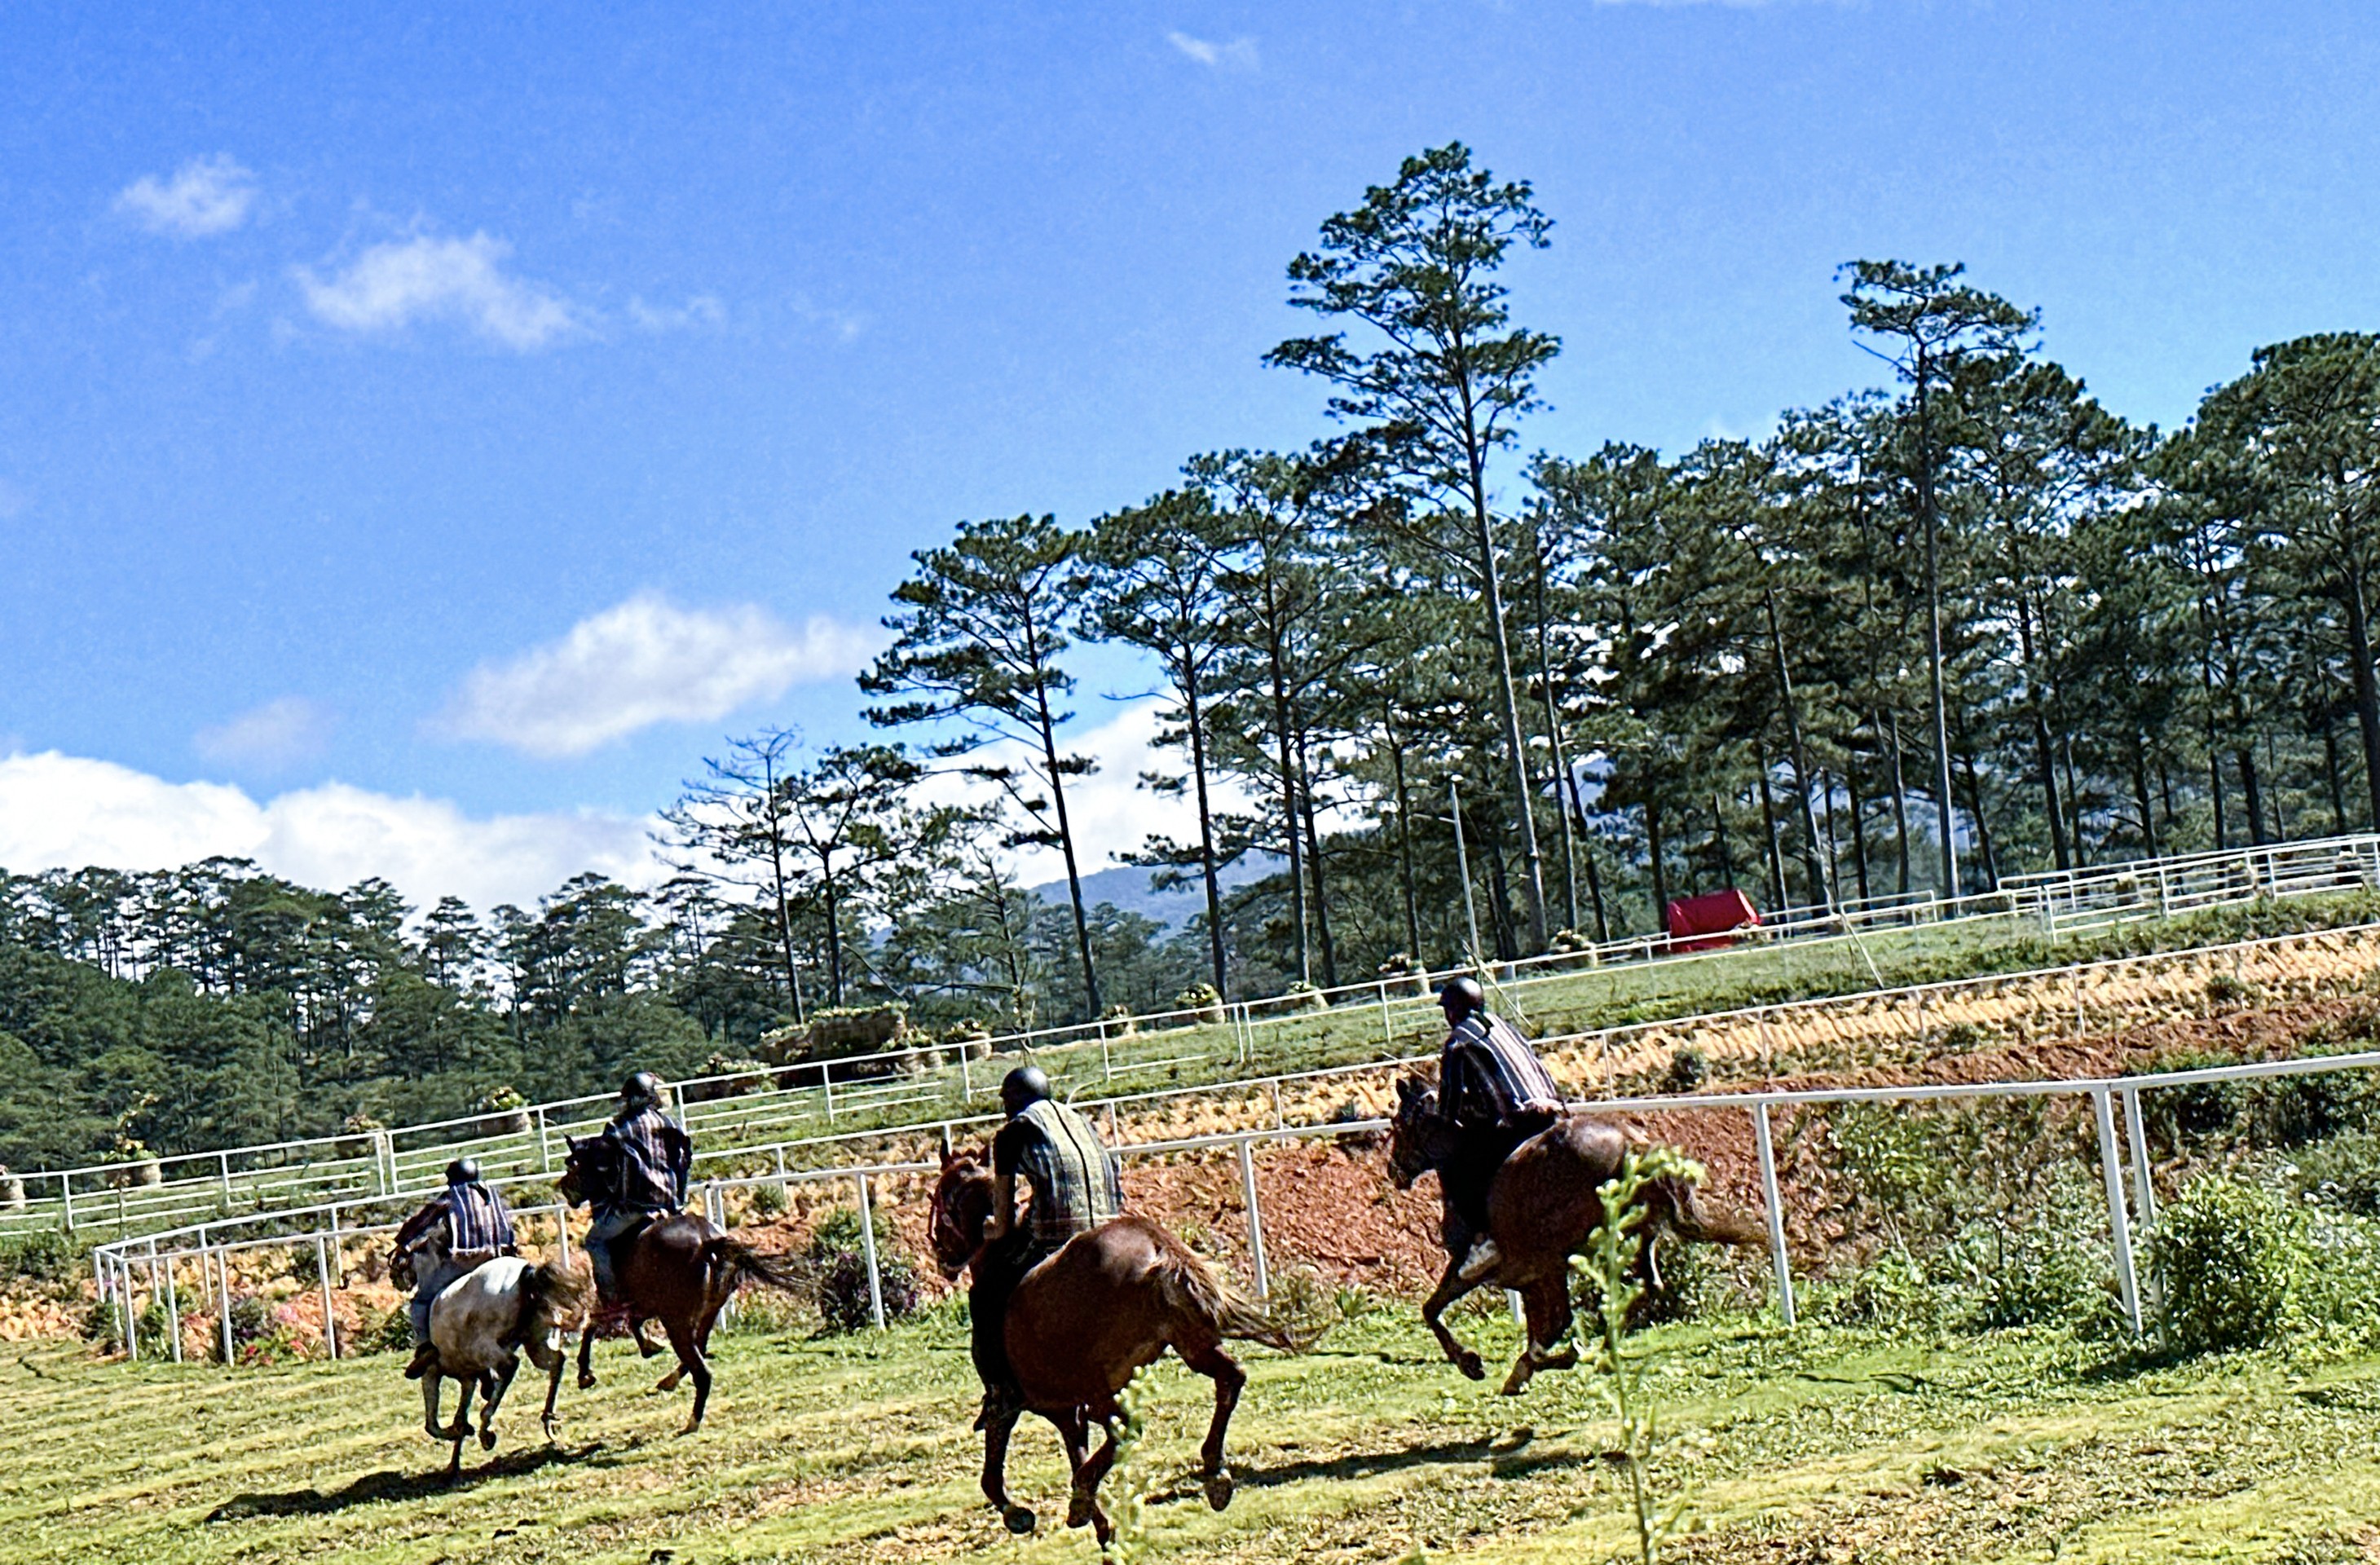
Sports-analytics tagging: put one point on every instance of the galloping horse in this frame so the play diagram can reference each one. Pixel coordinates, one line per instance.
(1084, 1320)
(678, 1269)
(482, 1321)
(1543, 1205)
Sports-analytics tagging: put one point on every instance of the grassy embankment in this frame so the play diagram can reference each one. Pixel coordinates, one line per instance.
(1821, 1444)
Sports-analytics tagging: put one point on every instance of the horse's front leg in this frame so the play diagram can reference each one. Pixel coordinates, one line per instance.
(491, 1396)
(1018, 1519)
(646, 1346)
(550, 1360)
(1463, 1274)
(586, 1357)
(431, 1381)
(1088, 1475)
(1548, 1315)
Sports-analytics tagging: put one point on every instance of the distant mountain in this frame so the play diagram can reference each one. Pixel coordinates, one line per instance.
(1127, 887)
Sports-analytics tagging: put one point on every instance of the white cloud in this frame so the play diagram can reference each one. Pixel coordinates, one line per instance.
(393, 285)
(63, 812)
(643, 662)
(1240, 54)
(206, 196)
(281, 732)
(702, 311)
(1110, 811)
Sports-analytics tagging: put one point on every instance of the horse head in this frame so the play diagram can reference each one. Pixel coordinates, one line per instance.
(962, 1209)
(582, 1169)
(1417, 1139)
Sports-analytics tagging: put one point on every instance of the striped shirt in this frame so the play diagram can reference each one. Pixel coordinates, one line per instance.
(476, 1221)
(1488, 1076)
(655, 1158)
(1074, 1180)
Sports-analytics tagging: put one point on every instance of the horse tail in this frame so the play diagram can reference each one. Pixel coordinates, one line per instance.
(1687, 1220)
(1186, 1283)
(735, 1262)
(556, 1291)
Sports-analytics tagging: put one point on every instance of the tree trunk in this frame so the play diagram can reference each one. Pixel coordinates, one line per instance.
(1719, 845)
(1524, 797)
(1982, 827)
(2140, 796)
(1821, 884)
(1768, 830)
(2330, 769)
(1944, 812)
(2251, 789)
(1594, 886)
(1660, 870)
(1900, 803)
(833, 933)
(1206, 828)
(1500, 899)
(2367, 692)
(1314, 864)
(1288, 779)
(1404, 835)
(1859, 820)
(1066, 846)
(1553, 736)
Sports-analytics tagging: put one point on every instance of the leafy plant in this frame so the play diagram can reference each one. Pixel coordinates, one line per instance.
(2225, 1256)
(843, 1299)
(1609, 1268)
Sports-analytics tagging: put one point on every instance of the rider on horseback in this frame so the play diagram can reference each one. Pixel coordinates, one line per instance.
(655, 1157)
(479, 1228)
(1494, 1093)
(1076, 1188)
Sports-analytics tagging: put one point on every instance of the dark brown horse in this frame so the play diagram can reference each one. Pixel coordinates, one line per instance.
(1543, 1205)
(678, 1269)
(1084, 1320)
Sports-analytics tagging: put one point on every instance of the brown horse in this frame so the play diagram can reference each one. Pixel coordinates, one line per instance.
(678, 1269)
(1543, 1205)
(1084, 1320)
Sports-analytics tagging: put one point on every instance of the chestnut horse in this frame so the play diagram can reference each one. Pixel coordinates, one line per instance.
(1545, 1202)
(678, 1269)
(1084, 1320)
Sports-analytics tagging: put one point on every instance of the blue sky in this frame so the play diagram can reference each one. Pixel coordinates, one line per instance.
(423, 437)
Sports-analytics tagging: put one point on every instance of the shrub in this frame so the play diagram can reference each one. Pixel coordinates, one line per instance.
(1890, 1291)
(2225, 1256)
(386, 1332)
(2293, 1110)
(2050, 1269)
(2195, 1111)
(1304, 996)
(766, 1200)
(41, 1254)
(1959, 1037)
(838, 1232)
(2342, 1173)
(1689, 1068)
(2225, 988)
(842, 1289)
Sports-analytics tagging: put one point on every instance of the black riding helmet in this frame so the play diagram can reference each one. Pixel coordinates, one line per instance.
(1460, 997)
(1023, 1087)
(642, 1090)
(463, 1171)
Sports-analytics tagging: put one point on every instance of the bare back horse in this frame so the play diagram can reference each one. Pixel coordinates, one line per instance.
(678, 1269)
(481, 1324)
(1545, 1202)
(1084, 1320)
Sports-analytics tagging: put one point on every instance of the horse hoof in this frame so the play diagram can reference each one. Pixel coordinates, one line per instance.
(1218, 1490)
(487, 1440)
(1020, 1519)
(1473, 1369)
(1079, 1510)
(553, 1430)
(669, 1382)
(1567, 1358)
(586, 1382)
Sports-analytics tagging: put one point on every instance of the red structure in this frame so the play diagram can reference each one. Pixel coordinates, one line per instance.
(1707, 921)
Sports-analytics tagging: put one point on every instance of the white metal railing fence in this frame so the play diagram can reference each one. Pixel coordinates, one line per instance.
(2122, 1146)
(382, 1162)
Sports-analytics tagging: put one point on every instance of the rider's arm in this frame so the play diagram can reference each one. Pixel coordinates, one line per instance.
(1003, 1207)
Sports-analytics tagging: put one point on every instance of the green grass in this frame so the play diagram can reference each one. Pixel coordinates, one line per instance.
(1794, 1446)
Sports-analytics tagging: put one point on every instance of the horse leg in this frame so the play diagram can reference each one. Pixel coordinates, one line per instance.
(1089, 1476)
(1018, 1519)
(430, 1380)
(1075, 1433)
(460, 1430)
(492, 1395)
(1229, 1378)
(1548, 1313)
(690, 1360)
(586, 1358)
(554, 1359)
(1460, 1279)
(647, 1347)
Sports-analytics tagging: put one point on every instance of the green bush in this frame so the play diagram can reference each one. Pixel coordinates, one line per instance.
(838, 1232)
(2342, 1173)
(1890, 1291)
(43, 1254)
(2225, 1258)
(2052, 1268)
(843, 1299)
(2195, 1111)
(389, 1331)
(2293, 1110)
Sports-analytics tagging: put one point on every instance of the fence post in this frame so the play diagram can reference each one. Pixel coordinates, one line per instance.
(2143, 1189)
(1775, 1213)
(338, 1247)
(544, 1152)
(131, 1322)
(1388, 1022)
(330, 1321)
(2119, 1228)
(66, 1200)
(867, 1248)
(223, 1161)
(223, 1298)
(562, 1229)
(1107, 1059)
(1255, 1220)
(172, 1311)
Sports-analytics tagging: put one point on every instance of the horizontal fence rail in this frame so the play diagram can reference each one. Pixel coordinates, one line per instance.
(945, 1079)
(122, 1265)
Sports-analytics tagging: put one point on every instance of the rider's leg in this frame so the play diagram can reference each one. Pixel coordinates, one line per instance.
(1001, 1267)
(608, 1225)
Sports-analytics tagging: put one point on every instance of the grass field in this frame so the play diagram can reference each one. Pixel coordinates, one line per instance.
(1822, 1444)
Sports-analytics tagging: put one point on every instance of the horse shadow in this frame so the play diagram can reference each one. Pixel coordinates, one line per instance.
(1507, 1457)
(385, 1484)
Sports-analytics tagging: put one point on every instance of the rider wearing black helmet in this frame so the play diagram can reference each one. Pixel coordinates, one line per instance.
(1495, 1093)
(1076, 1188)
(655, 1159)
(479, 1228)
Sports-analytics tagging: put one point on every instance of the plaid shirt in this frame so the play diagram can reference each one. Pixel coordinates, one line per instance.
(1074, 1180)
(1488, 1076)
(655, 1158)
(476, 1219)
